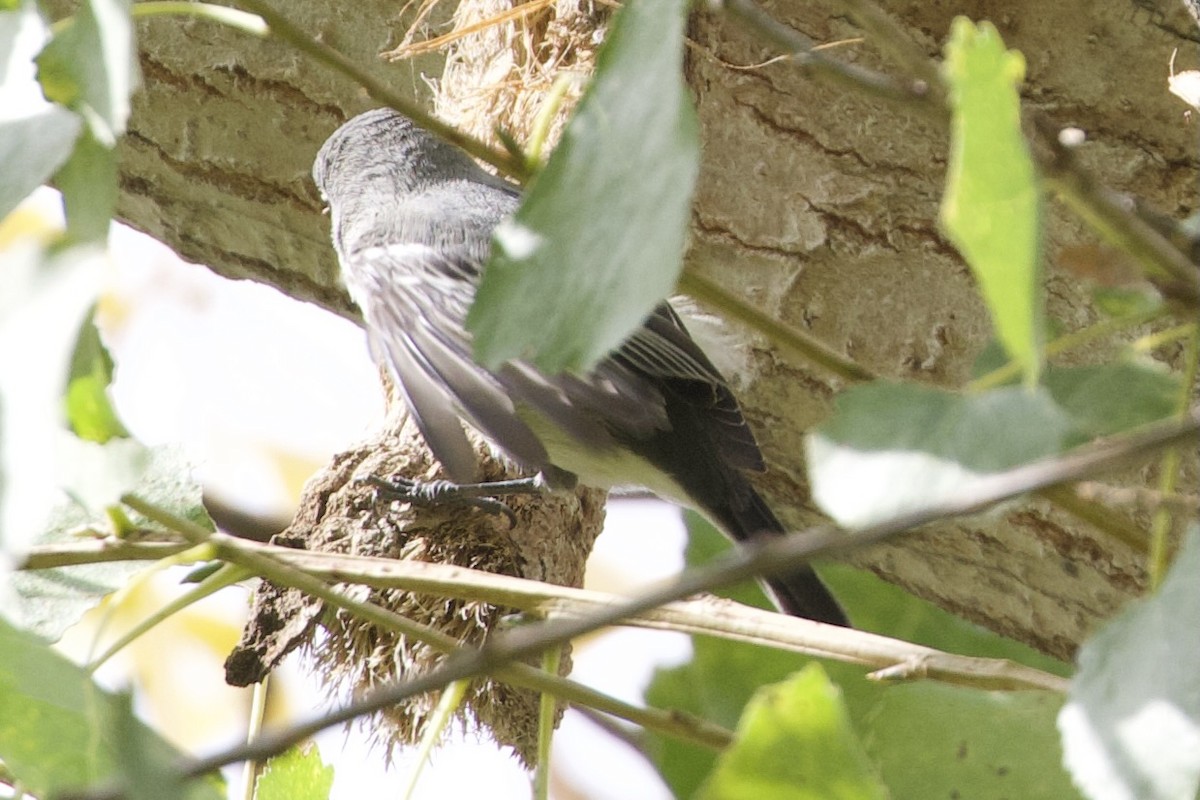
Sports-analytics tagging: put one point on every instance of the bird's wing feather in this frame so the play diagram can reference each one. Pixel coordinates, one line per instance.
(663, 351)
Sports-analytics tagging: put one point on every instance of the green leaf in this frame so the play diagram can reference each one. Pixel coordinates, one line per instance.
(88, 182)
(892, 448)
(928, 739)
(90, 66)
(1120, 301)
(59, 731)
(598, 241)
(1131, 728)
(298, 774)
(795, 742)
(1102, 399)
(49, 601)
(1111, 398)
(90, 413)
(992, 208)
(35, 136)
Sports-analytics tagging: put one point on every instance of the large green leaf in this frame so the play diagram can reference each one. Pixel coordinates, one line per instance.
(928, 739)
(895, 448)
(49, 601)
(1131, 730)
(32, 148)
(1110, 398)
(717, 681)
(60, 731)
(992, 207)
(795, 742)
(599, 239)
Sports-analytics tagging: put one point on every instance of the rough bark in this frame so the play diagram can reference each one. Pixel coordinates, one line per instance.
(818, 204)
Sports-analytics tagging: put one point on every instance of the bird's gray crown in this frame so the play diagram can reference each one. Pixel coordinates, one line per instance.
(387, 147)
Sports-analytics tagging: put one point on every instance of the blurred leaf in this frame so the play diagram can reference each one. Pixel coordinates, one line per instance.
(795, 742)
(928, 739)
(298, 774)
(59, 731)
(50, 601)
(1111, 398)
(892, 448)
(32, 148)
(88, 182)
(90, 413)
(598, 241)
(1126, 302)
(1131, 728)
(90, 66)
(992, 206)
(875, 605)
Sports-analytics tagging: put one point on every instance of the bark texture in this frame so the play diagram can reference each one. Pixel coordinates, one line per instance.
(816, 203)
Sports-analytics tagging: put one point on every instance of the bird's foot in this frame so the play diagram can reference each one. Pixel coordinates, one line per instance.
(437, 492)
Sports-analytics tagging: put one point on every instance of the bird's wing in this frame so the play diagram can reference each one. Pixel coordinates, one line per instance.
(414, 307)
(663, 352)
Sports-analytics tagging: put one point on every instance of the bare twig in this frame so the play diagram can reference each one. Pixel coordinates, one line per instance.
(805, 55)
(785, 337)
(1115, 218)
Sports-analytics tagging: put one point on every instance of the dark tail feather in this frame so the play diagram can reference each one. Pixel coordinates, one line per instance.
(798, 593)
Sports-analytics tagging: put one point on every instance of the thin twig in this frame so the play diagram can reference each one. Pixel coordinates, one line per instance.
(1115, 218)
(96, 551)
(785, 337)
(805, 55)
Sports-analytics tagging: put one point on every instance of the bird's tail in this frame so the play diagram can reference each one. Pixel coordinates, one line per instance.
(800, 593)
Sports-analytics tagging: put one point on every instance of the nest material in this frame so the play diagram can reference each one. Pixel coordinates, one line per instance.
(503, 58)
(341, 513)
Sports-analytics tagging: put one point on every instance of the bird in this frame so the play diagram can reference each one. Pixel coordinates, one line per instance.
(412, 218)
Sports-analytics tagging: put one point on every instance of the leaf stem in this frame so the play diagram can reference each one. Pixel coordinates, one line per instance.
(234, 18)
(547, 716)
(1163, 519)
